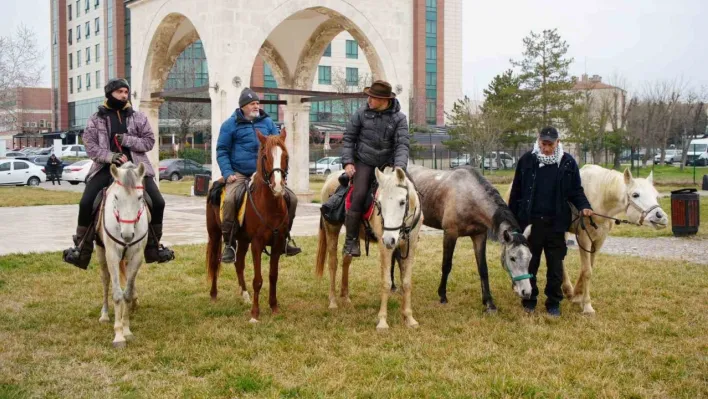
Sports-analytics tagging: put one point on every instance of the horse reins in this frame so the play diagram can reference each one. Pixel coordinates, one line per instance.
(275, 230)
(404, 231)
(124, 221)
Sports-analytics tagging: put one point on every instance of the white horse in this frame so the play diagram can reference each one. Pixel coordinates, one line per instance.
(610, 193)
(396, 221)
(123, 228)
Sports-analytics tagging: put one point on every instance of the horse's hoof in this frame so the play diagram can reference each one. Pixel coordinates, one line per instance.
(412, 323)
(382, 326)
(393, 289)
(246, 298)
(275, 311)
(333, 305)
(253, 320)
(104, 319)
(443, 300)
(119, 344)
(588, 311)
(129, 337)
(490, 311)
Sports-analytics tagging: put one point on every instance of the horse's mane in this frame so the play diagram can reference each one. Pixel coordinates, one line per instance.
(393, 181)
(602, 184)
(502, 213)
(270, 143)
(129, 179)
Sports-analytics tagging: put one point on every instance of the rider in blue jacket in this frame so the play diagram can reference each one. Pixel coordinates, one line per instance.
(236, 154)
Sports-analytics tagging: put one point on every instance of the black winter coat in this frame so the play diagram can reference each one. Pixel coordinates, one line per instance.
(568, 189)
(377, 138)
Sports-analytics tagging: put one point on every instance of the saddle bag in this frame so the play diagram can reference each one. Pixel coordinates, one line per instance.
(333, 210)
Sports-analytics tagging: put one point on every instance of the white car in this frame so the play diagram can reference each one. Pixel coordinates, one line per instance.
(671, 155)
(491, 161)
(75, 150)
(76, 172)
(18, 173)
(326, 166)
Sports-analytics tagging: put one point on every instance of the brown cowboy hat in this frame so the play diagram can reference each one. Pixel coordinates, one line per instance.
(380, 89)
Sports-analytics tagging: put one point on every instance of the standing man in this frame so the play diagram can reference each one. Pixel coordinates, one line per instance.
(117, 134)
(546, 180)
(236, 154)
(376, 136)
(53, 168)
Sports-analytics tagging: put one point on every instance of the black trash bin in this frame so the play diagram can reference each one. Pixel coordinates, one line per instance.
(705, 183)
(685, 212)
(201, 185)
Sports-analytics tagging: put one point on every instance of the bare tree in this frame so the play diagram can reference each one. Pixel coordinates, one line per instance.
(691, 120)
(20, 66)
(472, 131)
(184, 116)
(666, 96)
(619, 113)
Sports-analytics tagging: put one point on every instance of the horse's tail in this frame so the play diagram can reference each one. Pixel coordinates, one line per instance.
(123, 266)
(213, 261)
(321, 249)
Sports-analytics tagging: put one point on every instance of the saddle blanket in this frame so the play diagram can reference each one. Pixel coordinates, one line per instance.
(368, 203)
(241, 209)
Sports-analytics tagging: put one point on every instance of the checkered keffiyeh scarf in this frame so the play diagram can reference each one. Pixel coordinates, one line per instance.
(548, 159)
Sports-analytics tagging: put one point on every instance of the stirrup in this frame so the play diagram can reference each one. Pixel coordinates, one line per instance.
(228, 255)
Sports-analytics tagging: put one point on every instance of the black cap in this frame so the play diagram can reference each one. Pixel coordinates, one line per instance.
(115, 84)
(548, 133)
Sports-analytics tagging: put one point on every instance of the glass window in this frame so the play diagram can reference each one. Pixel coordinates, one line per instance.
(324, 75)
(71, 61)
(21, 165)
(78, 58)
(78, 8)
(5, 166)
(87, 27)
(328, 51)
(431, 53)
(431, 112)
(268, 78)
(71, 16)
(88, 81)
(71, 85)
(98, 53)
(97, 25)
(98, 78)
(96, 3)
(87, 5)
(71, 37)
(352, 49)
(352, 76)
(78, 33)
(78, 83)
(271, 109)
(88, 55)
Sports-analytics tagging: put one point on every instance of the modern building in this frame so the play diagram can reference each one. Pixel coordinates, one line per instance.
(30, 115)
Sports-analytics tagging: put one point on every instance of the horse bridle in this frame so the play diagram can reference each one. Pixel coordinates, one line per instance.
(404, 231)
(508, 270)
(643, 213)
(125, 221)
(267, 175)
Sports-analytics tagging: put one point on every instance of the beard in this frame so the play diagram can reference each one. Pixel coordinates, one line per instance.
(254, 114)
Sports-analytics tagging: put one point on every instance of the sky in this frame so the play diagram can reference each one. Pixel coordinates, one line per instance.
(641, 41)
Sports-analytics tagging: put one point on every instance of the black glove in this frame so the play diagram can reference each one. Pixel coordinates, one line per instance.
(116, 158)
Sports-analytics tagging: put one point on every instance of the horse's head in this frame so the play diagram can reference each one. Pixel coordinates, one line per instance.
(273, 161)
(127, 197)
(515, 257)
(642, 201)
(397, 202)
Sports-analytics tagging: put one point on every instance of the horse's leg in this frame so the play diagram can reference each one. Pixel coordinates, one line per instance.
(584, 241)
(273, 275)
(567, 285)
(480, 253)
(240, 268)
(113, 261)
(129, 294)
(332, 240)
(256, 253)
(395, 258)
(585, 303)
(406, 266)
(344, 294)
(449, 242)
(106, 280)
(384, 263)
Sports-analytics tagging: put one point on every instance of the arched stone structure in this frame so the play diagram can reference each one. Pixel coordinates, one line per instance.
(290, 35)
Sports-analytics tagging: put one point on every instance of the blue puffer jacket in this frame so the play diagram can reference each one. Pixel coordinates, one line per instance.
(237, 147)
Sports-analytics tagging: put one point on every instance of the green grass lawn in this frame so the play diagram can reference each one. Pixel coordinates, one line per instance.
(647, 340)
(32, 196)
(180, 187)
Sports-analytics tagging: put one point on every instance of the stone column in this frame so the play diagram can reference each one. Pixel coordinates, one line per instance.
(297, 123)
(151, 109)
(218, 116)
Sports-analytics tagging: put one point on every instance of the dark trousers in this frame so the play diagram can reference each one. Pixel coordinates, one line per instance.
(544, 239)
(103, 179)
(362, 181)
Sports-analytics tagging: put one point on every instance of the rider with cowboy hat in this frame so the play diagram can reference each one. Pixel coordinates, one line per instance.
(376, 136)
(117, 134)
(546, 180)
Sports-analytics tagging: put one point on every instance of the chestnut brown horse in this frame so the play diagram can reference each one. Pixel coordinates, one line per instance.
(265, 222)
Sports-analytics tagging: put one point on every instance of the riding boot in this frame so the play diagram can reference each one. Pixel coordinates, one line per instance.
(228, 229)
(154, 251)
(80, 254)
(291, 248)
(352, 222)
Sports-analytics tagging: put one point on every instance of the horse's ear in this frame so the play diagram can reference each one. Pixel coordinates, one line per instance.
(527, 232)
(650, 178)
(283, 134)
(141, 171)
(507, 236)
(114, 172)
(261, 137)
(627, 176)
(401, 175)
(379, 175)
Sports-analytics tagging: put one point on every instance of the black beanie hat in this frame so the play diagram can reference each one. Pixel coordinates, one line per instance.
(247, 96)
(115, 84)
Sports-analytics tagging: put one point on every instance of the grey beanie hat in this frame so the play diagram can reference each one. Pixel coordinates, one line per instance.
(115, 84)
(247, 96)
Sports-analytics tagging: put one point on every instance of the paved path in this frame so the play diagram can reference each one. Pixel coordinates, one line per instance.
(49, 228)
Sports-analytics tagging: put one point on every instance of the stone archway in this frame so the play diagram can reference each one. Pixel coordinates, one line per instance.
(289, 34)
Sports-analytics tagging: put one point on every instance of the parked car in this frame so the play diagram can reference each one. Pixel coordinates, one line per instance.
(326, 165)
(671, 155)
(14, 154)
(40, 160)
(74, 150)
(77, 172)
(461, 160)
(20, 172)
(697, 153)
(177, 168)
(491, 161)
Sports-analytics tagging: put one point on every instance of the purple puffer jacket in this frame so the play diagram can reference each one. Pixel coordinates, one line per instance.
(140, 139)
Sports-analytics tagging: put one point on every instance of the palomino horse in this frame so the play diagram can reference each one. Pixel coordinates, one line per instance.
(265, 223)
(122, 231)
(463, 203)
(396, 222)
(610, 193)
